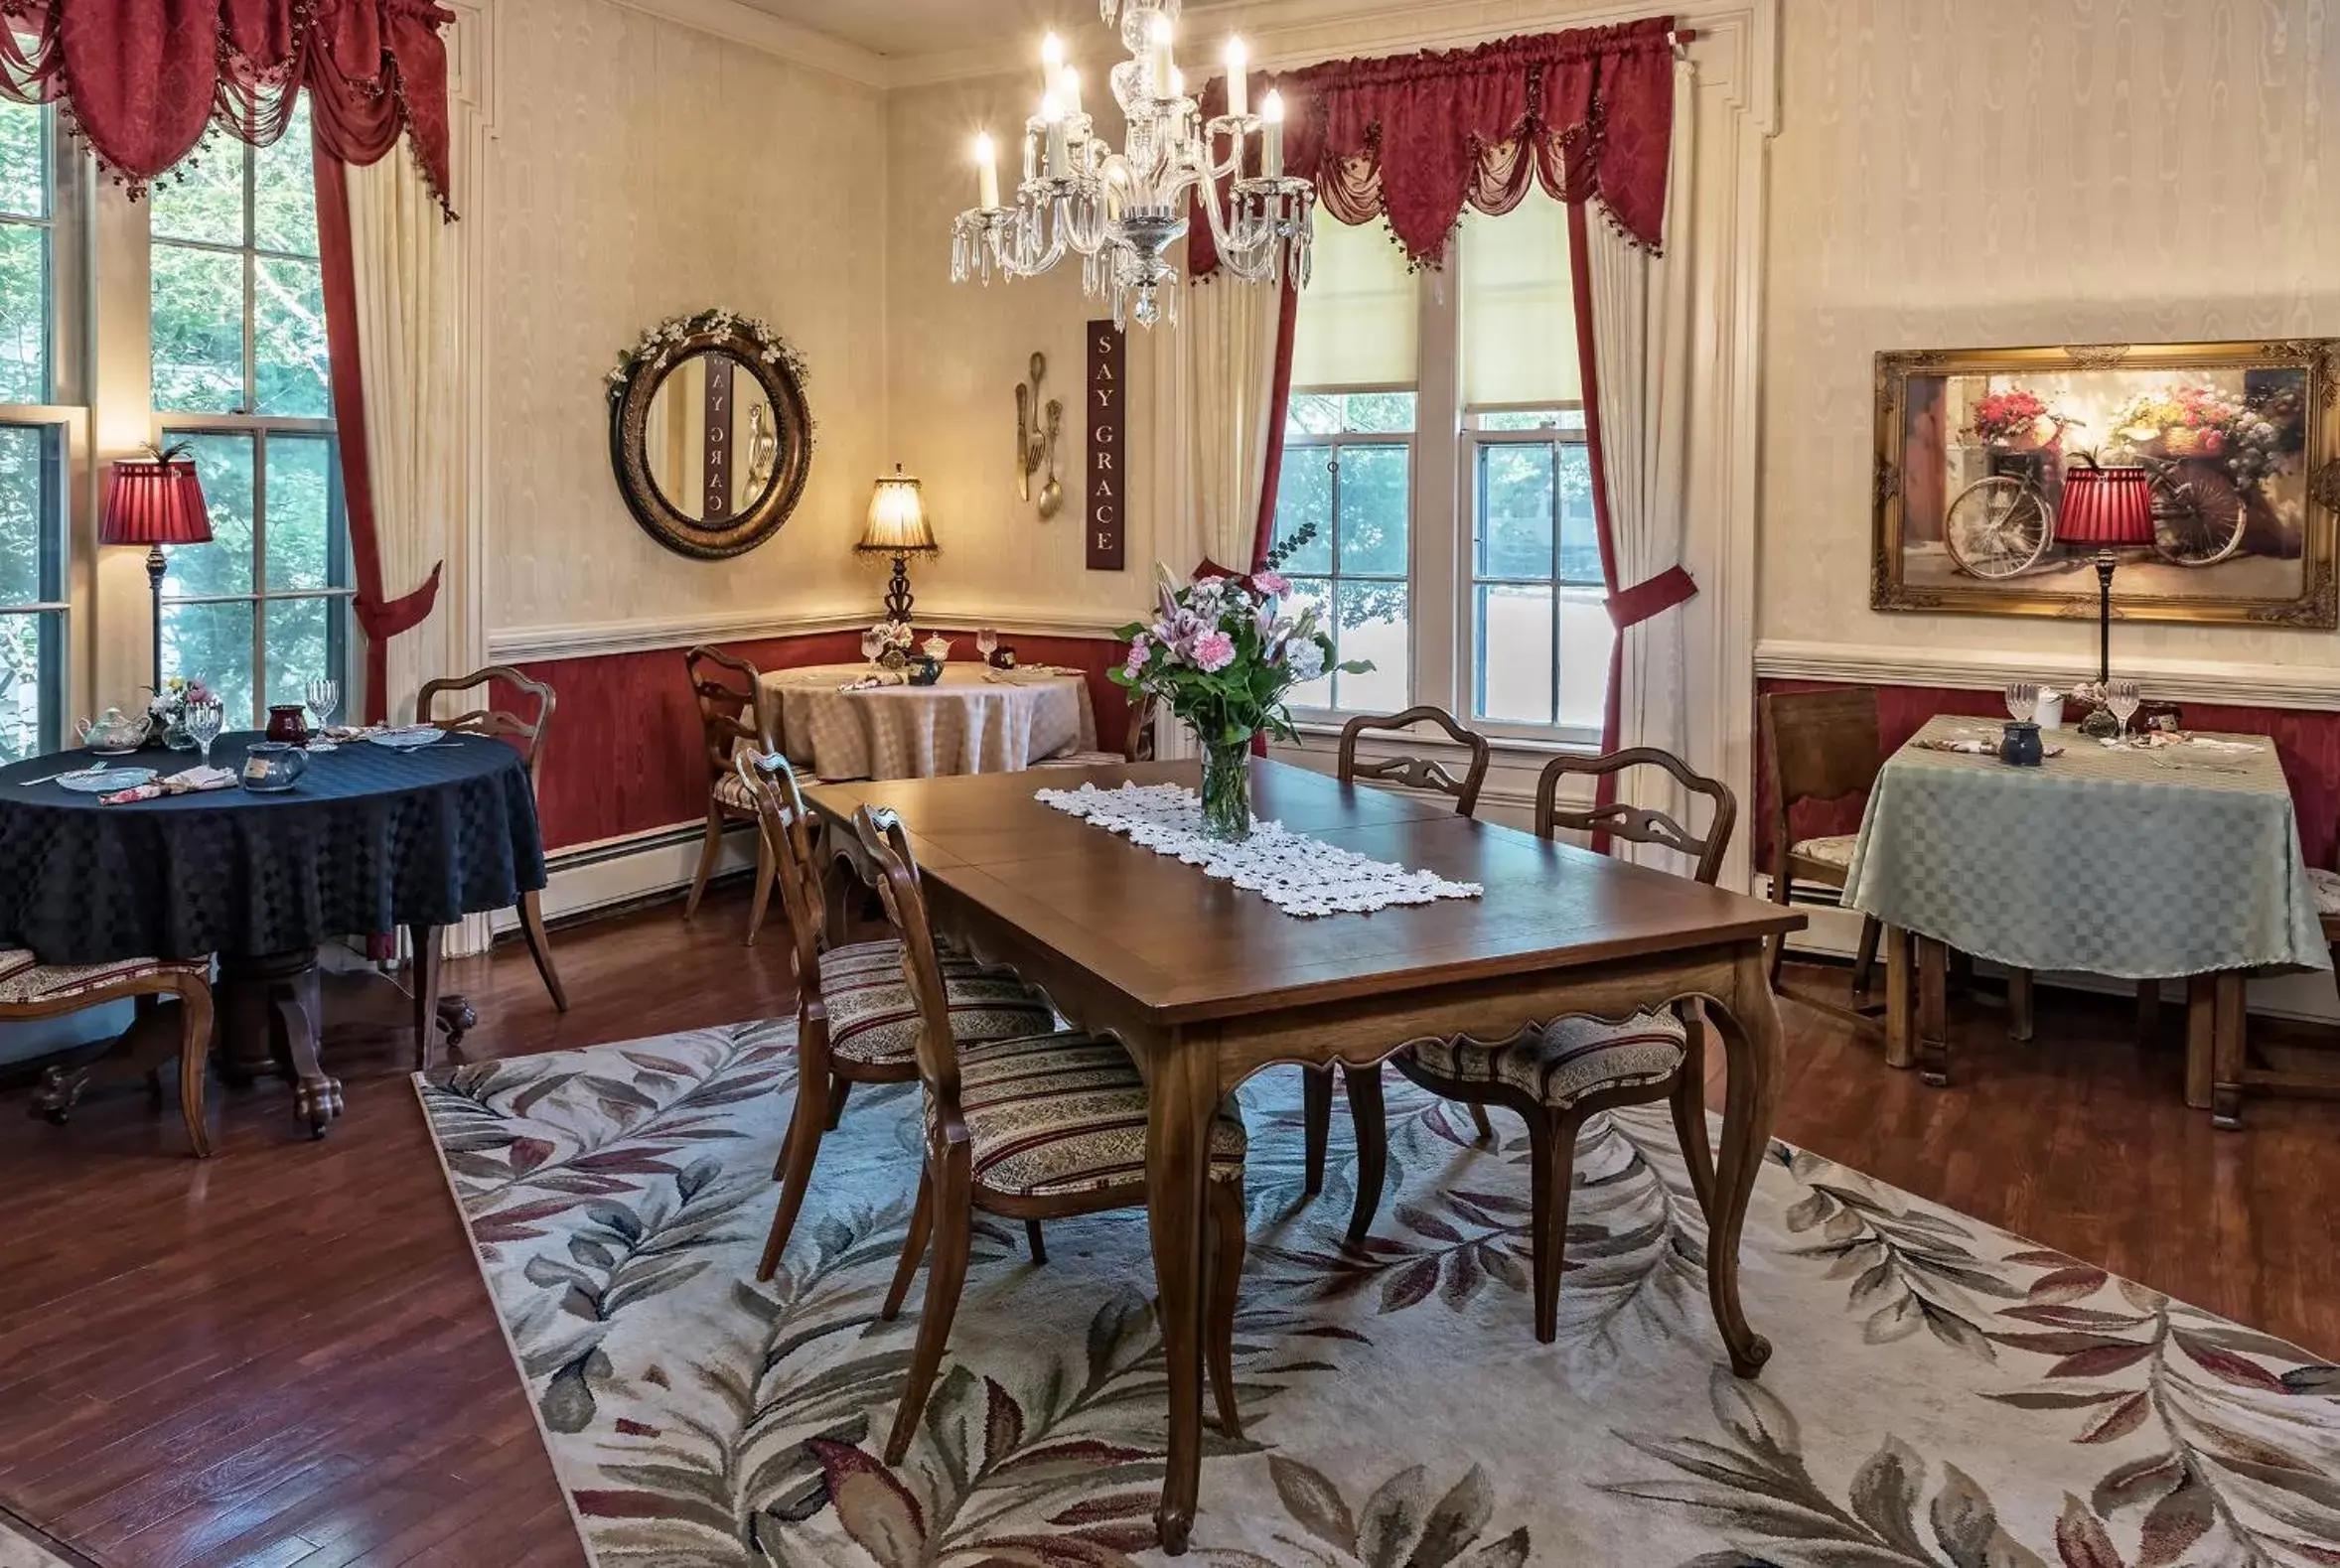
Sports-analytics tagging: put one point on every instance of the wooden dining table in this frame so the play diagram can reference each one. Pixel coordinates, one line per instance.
(1206, 983)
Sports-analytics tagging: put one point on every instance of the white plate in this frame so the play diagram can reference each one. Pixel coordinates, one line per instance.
(408, 737)
(104, 781)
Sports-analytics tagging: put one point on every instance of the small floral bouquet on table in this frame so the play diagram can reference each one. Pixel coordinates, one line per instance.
(887, 644)
(1222, 654)
(168, 710)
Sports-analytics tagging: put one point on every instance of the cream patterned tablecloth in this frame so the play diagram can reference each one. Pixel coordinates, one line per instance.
(973, 720)
(2138, 864)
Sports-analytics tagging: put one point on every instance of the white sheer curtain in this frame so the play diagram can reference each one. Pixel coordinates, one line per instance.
(1214, 376)
(1641, 320)
(403, 264)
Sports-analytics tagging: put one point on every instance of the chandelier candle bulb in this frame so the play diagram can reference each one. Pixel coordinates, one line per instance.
(1052, 62)
(1052, 115)
(1159, 57)
(986, 173)
(1069, 91)
(1272, 135)
(1239, 85)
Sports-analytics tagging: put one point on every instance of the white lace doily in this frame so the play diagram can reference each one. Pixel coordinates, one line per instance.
(1297, 874)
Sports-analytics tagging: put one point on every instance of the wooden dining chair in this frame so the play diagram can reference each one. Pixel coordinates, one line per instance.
(1407, 771)
(1404, 772)
(528, 731)
(1137, 747)
(731, 714)
(856, 1021)
(1557, 1074)
(31, 990)
(2234, 1072)
(1045, 1126)
(1819, 746)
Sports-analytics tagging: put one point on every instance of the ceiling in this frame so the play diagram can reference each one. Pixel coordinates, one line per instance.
(899, 28)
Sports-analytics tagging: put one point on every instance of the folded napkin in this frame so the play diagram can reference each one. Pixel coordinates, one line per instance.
(337, 733)
(872, 682)
(190, 782)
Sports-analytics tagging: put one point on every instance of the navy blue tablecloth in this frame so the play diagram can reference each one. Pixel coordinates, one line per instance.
(368, 840)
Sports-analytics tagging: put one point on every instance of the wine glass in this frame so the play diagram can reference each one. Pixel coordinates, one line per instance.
(2122, 697)
(325, 700)
(202, 721)
(2022, 701)
(873, 644)
(986, 641)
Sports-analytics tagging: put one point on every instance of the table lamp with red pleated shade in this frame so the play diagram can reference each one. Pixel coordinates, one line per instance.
(155, 501)
(2106, 507)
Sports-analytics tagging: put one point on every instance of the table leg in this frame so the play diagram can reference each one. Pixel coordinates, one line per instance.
(1182, 1099)
(2019, 1005)
(428, 945)
(1932, 1012)
(2148, 1012)
(2201, 1037)
(271, 1001)
(2229, 1041)
(1900, 1001)
(1750, 1029)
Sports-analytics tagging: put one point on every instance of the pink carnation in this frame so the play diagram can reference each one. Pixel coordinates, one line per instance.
(1273, 584)
(1140, 649)
(1214, 651)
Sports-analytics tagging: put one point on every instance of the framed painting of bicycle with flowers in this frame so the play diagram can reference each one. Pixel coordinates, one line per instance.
(2241, 443)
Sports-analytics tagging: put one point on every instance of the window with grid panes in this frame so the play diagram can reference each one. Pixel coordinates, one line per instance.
(1436, 437)
(236, 309)
(34, 432)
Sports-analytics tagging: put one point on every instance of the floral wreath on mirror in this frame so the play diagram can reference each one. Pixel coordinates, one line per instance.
(660, 344)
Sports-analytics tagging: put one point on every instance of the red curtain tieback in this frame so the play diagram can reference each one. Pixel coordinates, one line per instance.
(1654, 596)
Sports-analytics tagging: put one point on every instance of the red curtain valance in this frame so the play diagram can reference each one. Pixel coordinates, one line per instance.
(1588, 113)
(141, 80)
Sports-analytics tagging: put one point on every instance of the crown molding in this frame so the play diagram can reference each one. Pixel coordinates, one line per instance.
(1287, 34)
(601, 639)
(760, 30)
(1979, 670)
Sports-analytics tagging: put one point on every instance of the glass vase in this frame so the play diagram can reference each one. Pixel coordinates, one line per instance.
(1227, 788)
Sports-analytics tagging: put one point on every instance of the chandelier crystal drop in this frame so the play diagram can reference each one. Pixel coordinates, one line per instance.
(1121, 211)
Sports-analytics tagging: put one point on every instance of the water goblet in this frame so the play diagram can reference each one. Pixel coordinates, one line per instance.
(873, 644)
(2122, 697)
(986, 641)
(201, 722)
(2022, 700)
(325, 700)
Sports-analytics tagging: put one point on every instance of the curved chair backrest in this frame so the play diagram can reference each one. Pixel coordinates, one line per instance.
(1138, 747)
(494, 721)
(1640, 824)
(786, 825)
(729, 696)
(1418, 772)
(886, 843)
(1816, 746)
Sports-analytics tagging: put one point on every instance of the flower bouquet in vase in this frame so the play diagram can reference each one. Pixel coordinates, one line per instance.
(1222, 654)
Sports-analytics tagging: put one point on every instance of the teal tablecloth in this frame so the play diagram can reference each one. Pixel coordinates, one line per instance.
(2129, 863)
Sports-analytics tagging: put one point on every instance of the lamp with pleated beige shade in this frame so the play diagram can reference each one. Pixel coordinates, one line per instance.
(898, 528)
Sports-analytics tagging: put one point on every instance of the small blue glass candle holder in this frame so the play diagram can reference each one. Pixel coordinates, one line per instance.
(2019, 746)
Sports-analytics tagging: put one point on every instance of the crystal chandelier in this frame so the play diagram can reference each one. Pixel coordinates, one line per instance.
(1121, 211)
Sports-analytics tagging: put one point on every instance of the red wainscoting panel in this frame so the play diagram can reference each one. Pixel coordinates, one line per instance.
(2306, 740)
(624, 753)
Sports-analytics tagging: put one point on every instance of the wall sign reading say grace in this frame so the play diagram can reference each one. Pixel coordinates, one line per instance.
(1108, 472)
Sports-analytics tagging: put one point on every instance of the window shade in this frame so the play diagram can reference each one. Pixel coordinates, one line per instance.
(1357, 315)
(1519, 308)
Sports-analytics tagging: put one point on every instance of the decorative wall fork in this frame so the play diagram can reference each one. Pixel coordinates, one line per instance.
(1037, 426)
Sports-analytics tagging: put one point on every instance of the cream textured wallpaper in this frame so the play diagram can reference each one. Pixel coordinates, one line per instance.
(643, 169)
(1954, 172)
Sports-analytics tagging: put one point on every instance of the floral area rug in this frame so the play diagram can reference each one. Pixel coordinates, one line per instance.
(1941, 1392)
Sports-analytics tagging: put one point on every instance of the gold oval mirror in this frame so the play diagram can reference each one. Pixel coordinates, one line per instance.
(709, 434)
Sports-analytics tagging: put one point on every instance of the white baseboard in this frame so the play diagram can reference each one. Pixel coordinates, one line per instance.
(598, 876)
(2304, 998)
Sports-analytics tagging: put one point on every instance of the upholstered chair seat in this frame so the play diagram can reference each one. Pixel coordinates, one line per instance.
(873, 1019)
(26, 981)
(1560, 1063)
(1058, 1114)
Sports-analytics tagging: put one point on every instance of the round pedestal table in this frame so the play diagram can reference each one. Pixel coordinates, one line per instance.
(974, 719)
(369, 839)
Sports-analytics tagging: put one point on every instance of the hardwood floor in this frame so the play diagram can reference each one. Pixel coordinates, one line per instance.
(285, 1356)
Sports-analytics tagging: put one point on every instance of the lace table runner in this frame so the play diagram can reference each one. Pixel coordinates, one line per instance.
(1297, 874)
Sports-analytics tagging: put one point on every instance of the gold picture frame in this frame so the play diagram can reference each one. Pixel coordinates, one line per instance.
(2243, 440)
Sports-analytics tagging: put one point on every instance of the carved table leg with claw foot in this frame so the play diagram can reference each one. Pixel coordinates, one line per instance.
(270, 1004)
